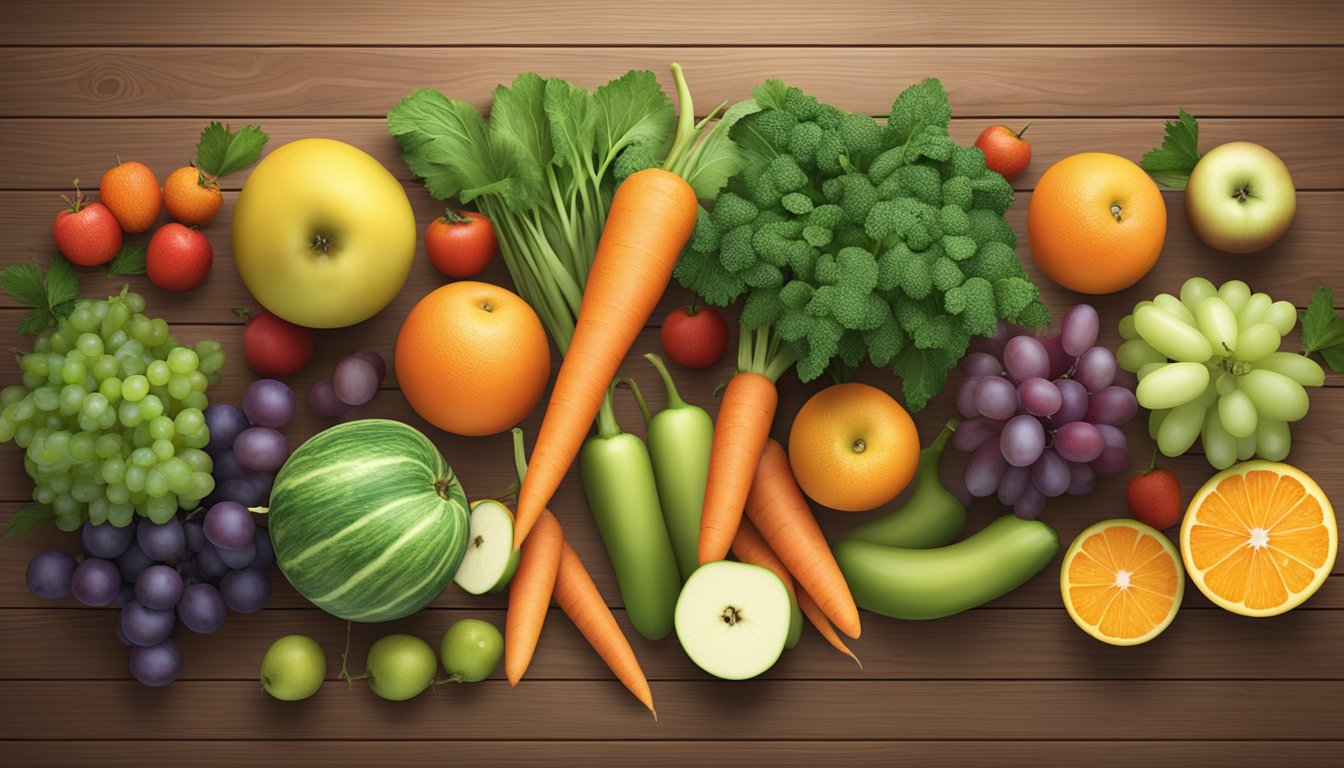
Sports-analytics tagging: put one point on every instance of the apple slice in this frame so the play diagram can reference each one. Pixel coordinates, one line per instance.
(733, 618)
(490, 559)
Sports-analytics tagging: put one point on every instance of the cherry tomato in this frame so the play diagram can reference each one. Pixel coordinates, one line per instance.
(461, 244)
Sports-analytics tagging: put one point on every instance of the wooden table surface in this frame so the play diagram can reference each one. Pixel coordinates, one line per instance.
(1012, 683)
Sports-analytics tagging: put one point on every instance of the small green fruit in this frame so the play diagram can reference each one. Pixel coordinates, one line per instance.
(293, 668)
(472, 650)
(400, 667)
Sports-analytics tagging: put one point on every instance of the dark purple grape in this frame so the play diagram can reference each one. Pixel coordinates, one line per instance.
(1024, 357)
(106, 540)
(262, 483)
(1079, 442)
(1113, 405)
(1078, 329)
(985, 469)
(355, 381)
(133, 561)
(226, 467)
(242, 491)
(1030, 504)
(246, 591)
(972, 433)
(1082, 479)
(121, 633)
(1096, 369)
(1115, 456)
(49, 574)
(156, 665)
(159, 587)
(1072, 402)
(1022, 440)
(980, 364)
(225, 423)
(95, 582)
(966, 397)
(209, 566)
(323, 401)
(124, 595)
(995, 398)
(238, 558)
(1050, 474)
(1039, 397)
(265, 557)
(162, 541)
(186, 568)
(1012, 484)
(1060, 361)
(268, 403)
(261, 449)
(228, 525)
(202, 609)
(195, 532)
(146, 626)
(374, 359)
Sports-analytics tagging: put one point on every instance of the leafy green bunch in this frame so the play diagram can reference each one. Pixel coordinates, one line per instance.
(857, 240)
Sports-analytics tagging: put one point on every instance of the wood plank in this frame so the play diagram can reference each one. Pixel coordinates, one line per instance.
(1200, 644)
(349, 82)
(1290, 270)
(693, 22)
(46, 153)
(691, 710)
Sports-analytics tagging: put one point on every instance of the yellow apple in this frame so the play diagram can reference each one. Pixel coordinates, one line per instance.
(323, 234)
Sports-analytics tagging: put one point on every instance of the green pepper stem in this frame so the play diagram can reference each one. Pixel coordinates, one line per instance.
(639, 398)
(519, 456)
(673, 397)
(607, 427)
(940, 442)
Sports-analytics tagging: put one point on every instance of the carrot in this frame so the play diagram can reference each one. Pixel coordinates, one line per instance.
(751, 548)
(651, 218)
(778, 509)
(530, 595)
(818, 618)
(740, 431)
(577, 595)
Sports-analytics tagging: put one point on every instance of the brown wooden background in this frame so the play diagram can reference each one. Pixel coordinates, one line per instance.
(1013, 683)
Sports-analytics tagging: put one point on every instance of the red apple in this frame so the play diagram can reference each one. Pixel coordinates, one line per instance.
(1006, 152)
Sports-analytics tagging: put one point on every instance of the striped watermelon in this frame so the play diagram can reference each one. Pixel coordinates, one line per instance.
(368, 521)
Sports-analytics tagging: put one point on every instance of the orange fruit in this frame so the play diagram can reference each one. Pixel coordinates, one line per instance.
(853, 448)
(1259, 538)
(192, 197)
(472, 358)
(1122, 582)
(1096, 223)
(131, 192)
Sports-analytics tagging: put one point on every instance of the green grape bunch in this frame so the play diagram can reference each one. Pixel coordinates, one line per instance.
(1209, 367)
(111, 415)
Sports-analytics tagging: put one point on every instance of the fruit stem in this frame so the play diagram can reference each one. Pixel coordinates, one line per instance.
(453, 217)
(639, 398)
(1115, 210)
(443, 484)
(76, 204)
(859, 445)
(690, 308)
(673, 396)
(1152, 463)
(1019, 135)
(243, 312)
(519, 455)
(345, 655)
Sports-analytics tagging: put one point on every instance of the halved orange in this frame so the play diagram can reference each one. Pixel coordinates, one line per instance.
(1122, 582)
(1259, 538)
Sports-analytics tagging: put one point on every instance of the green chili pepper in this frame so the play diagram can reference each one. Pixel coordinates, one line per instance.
(618, 480)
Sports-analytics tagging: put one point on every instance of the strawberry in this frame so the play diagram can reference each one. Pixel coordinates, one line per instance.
(1154, 497)
(178, 258)
(86, 233)
(695, 337)
(275, 347)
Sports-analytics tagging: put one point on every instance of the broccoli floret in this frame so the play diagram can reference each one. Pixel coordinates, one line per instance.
(829, 151)
(946, 274)
(764, 275)
(973, 301)
(954, 220)
(886, 164)
(885, 341)
(957, 192)
(803, 143)
(735, 251)
(761, 308)
(796, 294)
(852, 348)
(958, 247)
(918, 106)
(921, 182)
(732, 210)
(818, 347)
(796, 203)
(861, 136)
(635, 158)
(912, 272)
(1036, 315)
(989, 227)
(994, 261)
(801, 105)
(1013, 295)
(991, 192)
(705, 236)
(816, 236)
(777, 243)
(854, 194)
(775, 126)
(704, 270)
(827, 216)
(785, 174)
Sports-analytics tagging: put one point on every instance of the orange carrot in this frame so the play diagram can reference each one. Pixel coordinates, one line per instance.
(780, 512)
(740, 431)
(818, 618)
(650, 221)
(577, 595)
(530, 595)
(751, 548)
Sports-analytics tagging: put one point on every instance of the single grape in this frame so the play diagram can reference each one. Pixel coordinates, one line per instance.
(981, 364)
(323, 401)
(228, 525)
(242, 491)
(985, 469)
(1082, 479)
(995, 398)
(1012, 484)
(265, 557)
(268, 403)
(146, 626)
(238, 558)
(133, 561)
(209, 566)
(261, 449)
(49, 574)
(121, 633)
(163, 541)
(95, 581)
(1115, 455)
(124, 595)
(194, 530)
(1079, 329)
(355, 381)
(1022, 440)
(1050, 474)
(374, 359)
(202, 609)
(1114, 405)
(246, 591)
(972, 433)
(1060, 361)
(262, 483)
(1073, 402)
(1079, 441)
(156, 665)
(226, 466)
(1096, 369)
(1025, 357)
(159, 587)
(1030, 504)
(966, 397)
(225, 422)
(106, 540)
(183, 360)
(1039, 397)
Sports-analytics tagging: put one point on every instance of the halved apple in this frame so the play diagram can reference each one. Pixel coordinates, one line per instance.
(490, 559)
(733, 619)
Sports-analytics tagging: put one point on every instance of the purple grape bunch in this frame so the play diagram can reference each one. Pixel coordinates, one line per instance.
(246, 444)
(353, 383)
(1043, 415)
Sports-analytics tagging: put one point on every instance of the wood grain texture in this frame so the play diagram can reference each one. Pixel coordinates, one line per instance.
(1020, 83)
(691, 22)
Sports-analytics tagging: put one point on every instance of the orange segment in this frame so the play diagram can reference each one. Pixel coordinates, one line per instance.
(1259, 538)
(1122, 582)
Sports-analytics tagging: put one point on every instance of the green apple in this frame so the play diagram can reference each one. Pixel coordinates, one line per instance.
(733, 619)
(471, 650)
(323, 234)
(400, 667)
(490, 560)
(1240, 198)
(293, 668)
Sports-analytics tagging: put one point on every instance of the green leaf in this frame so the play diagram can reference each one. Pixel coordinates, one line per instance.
(24, 283)
(716, 158)
(28, 518)
(444, 141)
(1317, 320)
(919, 106)
(520, 137)
(50, 294)
(570, 110)
(36, 322)
(220, 151)
(62, 283)
(633, 109)
(1170, 165)
(770, 94)
(130, 260)
(1334, 357)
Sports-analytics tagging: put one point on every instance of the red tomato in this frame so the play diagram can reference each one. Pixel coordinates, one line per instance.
(1005, 150)
(461, 245)
(694, 337)
(178, 258)
(86, 233)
